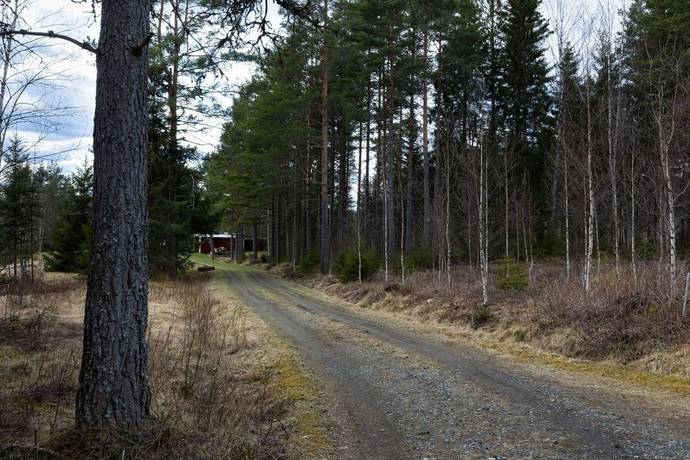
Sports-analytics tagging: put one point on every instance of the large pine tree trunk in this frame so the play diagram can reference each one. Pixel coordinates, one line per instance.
(307, 193)
(113, 384)
(389, 168)
(365, 192)
(409, 212)
(344, 183)
(255, 241)
(175, 71)
(633, 229)
(425, 150)
(359, 201)
(325, 217)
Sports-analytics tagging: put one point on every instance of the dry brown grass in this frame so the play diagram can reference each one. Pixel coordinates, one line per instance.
(616, 321)
(211, 396)
(39, 362)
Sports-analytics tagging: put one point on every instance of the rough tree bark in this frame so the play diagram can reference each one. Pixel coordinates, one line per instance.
(359, 202)
(344, 183)
(389, 164)
(670, 199)
(255, 241)
(365, 185)
(409, 212)
(113, 385)
(425, 148)
(325, 246)
(307, 192)
(633, 254)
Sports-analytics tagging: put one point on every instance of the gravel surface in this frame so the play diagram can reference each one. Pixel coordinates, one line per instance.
(396, 394)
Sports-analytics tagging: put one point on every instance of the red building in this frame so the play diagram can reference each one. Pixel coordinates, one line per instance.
(221, 244)
(224, 244)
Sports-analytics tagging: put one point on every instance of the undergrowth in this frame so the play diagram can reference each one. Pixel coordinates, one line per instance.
(618, 319)
(210, 397)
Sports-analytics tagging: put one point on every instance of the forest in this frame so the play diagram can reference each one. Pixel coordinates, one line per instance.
(515, 172)
(462, 132)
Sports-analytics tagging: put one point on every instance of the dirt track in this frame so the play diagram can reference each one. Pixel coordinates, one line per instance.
(399, 394)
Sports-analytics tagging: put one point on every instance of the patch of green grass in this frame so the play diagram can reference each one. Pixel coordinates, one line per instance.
(672, 383)
(222, 264)
(297, 387)
(520, 335)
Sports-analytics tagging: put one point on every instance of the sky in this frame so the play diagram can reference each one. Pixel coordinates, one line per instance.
(70, 133)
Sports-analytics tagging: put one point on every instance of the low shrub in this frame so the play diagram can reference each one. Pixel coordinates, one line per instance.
(346, 265)
(309, 263)
(512, 277)
(616, 319)
(646, 250)
(419, 259)
(480, 316)
(520, 335)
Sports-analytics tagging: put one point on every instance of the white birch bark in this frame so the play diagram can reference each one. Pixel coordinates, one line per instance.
(590, 197)
(448, 219)
(633, 254)
(359, 201)
(483, 249)
(612, 159)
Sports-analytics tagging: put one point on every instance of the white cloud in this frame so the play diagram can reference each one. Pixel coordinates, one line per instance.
(77, 88)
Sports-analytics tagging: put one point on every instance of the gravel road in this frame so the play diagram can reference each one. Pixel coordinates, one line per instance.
(402, 395)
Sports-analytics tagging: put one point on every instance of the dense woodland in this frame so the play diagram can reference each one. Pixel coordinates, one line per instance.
(391, 135)
(452, 132)
(425, 134)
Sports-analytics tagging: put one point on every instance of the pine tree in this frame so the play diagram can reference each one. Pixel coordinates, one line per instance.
(18, 210)
(525, 98)
(657, 63)
(50, 185)
(70, 241)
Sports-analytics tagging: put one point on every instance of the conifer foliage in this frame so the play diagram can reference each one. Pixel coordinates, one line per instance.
(474, 131)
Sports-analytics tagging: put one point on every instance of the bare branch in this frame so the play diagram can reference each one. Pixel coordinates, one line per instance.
(50, 34)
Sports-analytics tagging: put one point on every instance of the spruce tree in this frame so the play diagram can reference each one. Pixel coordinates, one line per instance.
(17, 209)
(71, 236)
(525, 98)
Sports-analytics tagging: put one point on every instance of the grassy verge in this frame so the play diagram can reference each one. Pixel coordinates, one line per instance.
(625, 330)
(293, 383)
(215, 394)
(523, 353)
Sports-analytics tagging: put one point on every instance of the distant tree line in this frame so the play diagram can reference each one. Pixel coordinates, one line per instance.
(43, 211)
(48, 212)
